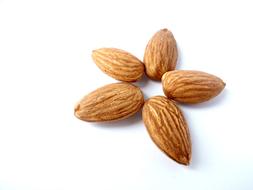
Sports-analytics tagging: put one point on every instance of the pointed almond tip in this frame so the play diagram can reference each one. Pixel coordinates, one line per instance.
(77, 107)
(164, 30)
(185, 162)
(94, 51)
(167, 31)
(76, 110)
(98, 50)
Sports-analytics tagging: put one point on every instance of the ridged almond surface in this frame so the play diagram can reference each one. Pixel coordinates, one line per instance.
(160, 54)
(191, 86)
(167, 128)
(111, 102)
(118, 64)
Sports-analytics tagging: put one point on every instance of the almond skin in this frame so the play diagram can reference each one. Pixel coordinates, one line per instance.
(111, 102)
(160, 54)
(118, 64)
(167, 128)
(191, 87)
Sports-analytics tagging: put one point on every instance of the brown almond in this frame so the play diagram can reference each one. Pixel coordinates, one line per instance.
(118, 64)
(160, 54)
(111, 102)
(167, 128)
(191, 86)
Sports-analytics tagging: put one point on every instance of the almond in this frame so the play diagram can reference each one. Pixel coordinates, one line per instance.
(111, 102)
(160, 54)
(191, 86)
(118, 64)
(167, 128)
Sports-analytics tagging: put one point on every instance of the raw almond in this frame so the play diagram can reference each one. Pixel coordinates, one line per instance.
(167, 128)
(118, 64)
(111, 102)
(160, 54)
(191, 86)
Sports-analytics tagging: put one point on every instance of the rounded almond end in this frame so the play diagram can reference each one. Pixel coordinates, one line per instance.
(154, 77)
(163, 77)
(167, 93)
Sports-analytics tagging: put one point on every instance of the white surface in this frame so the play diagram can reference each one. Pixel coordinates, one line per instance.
(46, 67)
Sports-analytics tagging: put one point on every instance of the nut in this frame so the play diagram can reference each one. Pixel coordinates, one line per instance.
(167, 128)
(191, 86)
(111, 102)
(118, 64)
(160, 54)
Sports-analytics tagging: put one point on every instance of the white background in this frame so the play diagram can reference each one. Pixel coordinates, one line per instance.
(46, 67)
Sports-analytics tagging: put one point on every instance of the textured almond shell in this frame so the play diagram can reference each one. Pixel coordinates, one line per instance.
(167, 128)
(118, 64)
(111, 102)
(160, 54)
(191, 86)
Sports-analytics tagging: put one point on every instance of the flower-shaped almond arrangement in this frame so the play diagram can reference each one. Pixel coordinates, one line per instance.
(162, 117)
